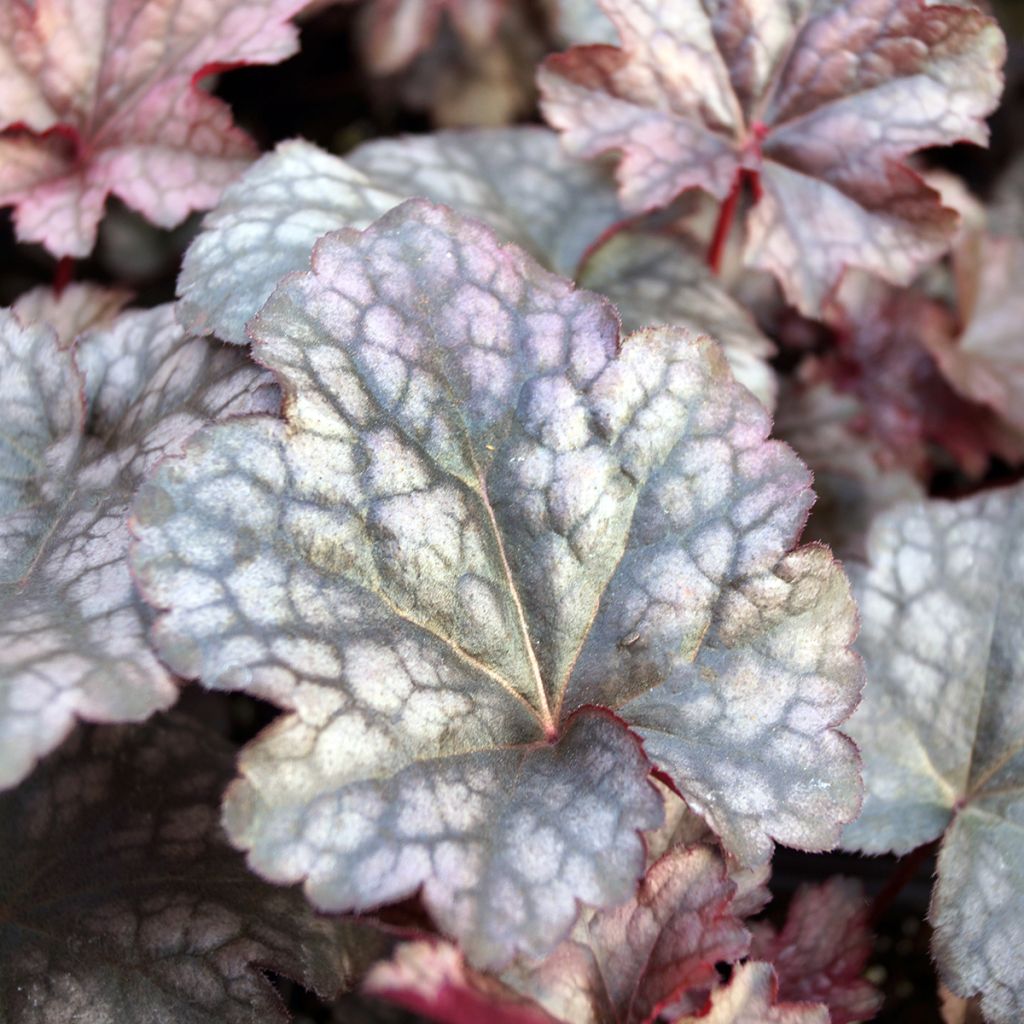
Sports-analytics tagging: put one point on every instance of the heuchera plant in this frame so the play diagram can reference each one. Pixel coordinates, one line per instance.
(487, 482)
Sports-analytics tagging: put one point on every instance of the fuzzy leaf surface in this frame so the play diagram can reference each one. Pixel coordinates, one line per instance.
(751, 998)
(120, 898)
(99, 97)
(822, 950)
(72, 632)
(941, 725)
(517, 180)
(478, 522)
(821, 100)
(655, 279)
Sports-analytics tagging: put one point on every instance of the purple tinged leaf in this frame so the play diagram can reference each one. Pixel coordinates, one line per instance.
(517, 180)
(750, 998)
(941, 724)
(73, 638)
(81, 306)
(478, 521)
(822, 101)
(655, 279)
(121, 900)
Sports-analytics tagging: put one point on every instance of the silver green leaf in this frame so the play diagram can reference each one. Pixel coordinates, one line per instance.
(484, 514)
(72, 631)
(121, 900)
(942, 723)
(518, 180)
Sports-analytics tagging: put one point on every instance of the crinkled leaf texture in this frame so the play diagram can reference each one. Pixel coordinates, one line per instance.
(517, 180)
(74, 449)
(620, 966)
(121, 900)
(100, 97)
(820, 954)
(479, 521)
(751, 998)
(821, 99)
(941, 726)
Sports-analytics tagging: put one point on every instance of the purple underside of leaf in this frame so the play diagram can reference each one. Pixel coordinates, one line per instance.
(483, 515)
(100, 97)
(82, 426)
(121, 900)
(821, 101)
(941, 724)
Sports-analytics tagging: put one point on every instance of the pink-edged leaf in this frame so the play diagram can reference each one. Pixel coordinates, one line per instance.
(79, 307)
(433, 979)
(100, 97)
(821, 101)
(883, 359)
(73, 634)
(121, 900)
(821, 952)
(941, 724)
(751, 997)
(484, 514)
(620, 966)
(517, 180)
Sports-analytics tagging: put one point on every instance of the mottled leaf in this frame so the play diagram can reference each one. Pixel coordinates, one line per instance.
(81, 306)
(120, 899)
(821, 952)
(655, 279)
(72, 631)
(750, 998)
(517, 180)
(821, 101)
(620, 966)
(580, 21)
(941, 725)
(479, 521)
(100, 97)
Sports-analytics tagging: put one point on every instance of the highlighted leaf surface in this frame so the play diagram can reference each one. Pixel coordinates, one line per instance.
(120, 898)
(480, 520)
(99, 97)
(821, 99)
(72, 630)
(942, 723)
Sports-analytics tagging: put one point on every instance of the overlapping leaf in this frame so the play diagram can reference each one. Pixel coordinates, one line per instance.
(655, 279)
(80, 307)
(941, 725)
(821, 952)
(751, 998)
(820, 100)
(621, 966)
(121, 900)
(99, 97)
(516, 180)
(72, 631)
(479, 521)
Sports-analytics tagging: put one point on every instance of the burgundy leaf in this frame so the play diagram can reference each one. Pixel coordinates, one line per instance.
(821, 952)
(751, 998)
(818, 103)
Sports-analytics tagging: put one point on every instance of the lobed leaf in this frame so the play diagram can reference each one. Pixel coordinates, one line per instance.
(121, 900)
(486, 524)
(941, 724)
(516, 180)
(80, 307)
(821, 100)
(821, 952)
(99, 97)
(73, 638)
